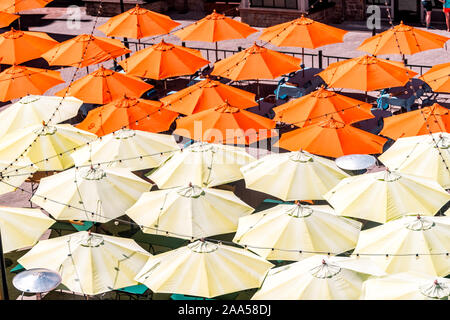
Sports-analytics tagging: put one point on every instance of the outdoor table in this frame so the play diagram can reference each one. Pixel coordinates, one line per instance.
(302, 77)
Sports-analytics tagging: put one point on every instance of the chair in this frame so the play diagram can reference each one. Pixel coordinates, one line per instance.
(285, 90)
(177, 296)
(134, 292)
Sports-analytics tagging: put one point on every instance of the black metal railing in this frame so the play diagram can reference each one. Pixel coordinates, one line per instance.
(309, 60)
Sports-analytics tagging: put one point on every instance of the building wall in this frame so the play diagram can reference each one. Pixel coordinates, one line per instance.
(354, 10)
(112, 7)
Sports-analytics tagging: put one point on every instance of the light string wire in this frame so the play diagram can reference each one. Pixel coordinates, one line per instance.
(61, 101)
(246, 246)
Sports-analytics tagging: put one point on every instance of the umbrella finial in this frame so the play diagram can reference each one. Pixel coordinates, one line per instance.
(43, 123)
(323, 261)
(418, 217)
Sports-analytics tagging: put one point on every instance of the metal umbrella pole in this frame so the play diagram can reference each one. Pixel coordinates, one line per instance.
(3, 271)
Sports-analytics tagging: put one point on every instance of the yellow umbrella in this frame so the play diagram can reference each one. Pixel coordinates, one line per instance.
(189, 211)
(49, 145)
(384, 195)
(22, 227)
(294, 231)
(411, 243)
(13, 175)
(89, 194)
(32, 110)
(408, 285)
(293, 175)
(126, 148)
(419, 156)
(89, 263)
(202, 164)
(318, 278)
(204, 269)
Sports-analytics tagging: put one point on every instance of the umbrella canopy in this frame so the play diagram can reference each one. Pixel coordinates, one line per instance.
(332, 138)
(207, 94)
(47, 146)
(302, 32)
(13, 175)
(435, 118)
(138, 23)
(19, 46)
(131, 113)
(420, 156)
(190, 212)
(293, 176)
(22, 227)
(408, 285)
(226, 124)
(318, 278)
(293, 228)
(89, 263)
(12, 6)
(402, 39)
(83, 191)
(256, 62)
(7, 18)
(204, 269)
(202, 164)
(372, 74)
(215, 27)
(32, 110)
(162, 61)
(385, 195)
(316, 106)
(84, 50)
(412, 243)
(131, 149)
(438, 77)
(104, 86)
(19, 81)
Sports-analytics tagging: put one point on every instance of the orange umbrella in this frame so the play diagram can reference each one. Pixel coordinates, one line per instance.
(104, 85)
(215, 27)
(256, 62)
(302, 32)
(12, 6)
(366, 73)
(138, 23)
(418, 122)
(132, 113)
(7, 18)
(438, 77)
(226, 124)
(84, 50)
(332, 138)
(20, 46)
(162, 61)
(402, 39)
(316, 106)
(18, 81)
(207, 94)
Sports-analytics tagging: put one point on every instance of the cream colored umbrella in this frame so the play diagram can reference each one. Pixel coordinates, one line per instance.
(293, 175)
(89, 263)
(318, 278)
(425, 156)
(20, 227)
(89, 194)
(47, 146)
(13, 175)
(411, 243)
(202, 164)
(32, 110)
(136, 149)
(294, 231)
(408, 285)
(189, 211)
(204, 269)
(385, 195)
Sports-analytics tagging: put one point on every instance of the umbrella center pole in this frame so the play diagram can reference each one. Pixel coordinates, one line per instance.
(3, 271)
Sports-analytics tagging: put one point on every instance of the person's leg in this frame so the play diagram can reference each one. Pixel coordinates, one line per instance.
(428, 19)
(447, 20)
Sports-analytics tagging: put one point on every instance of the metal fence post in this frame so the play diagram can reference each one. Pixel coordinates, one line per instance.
(320, 59)
(183, 44)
